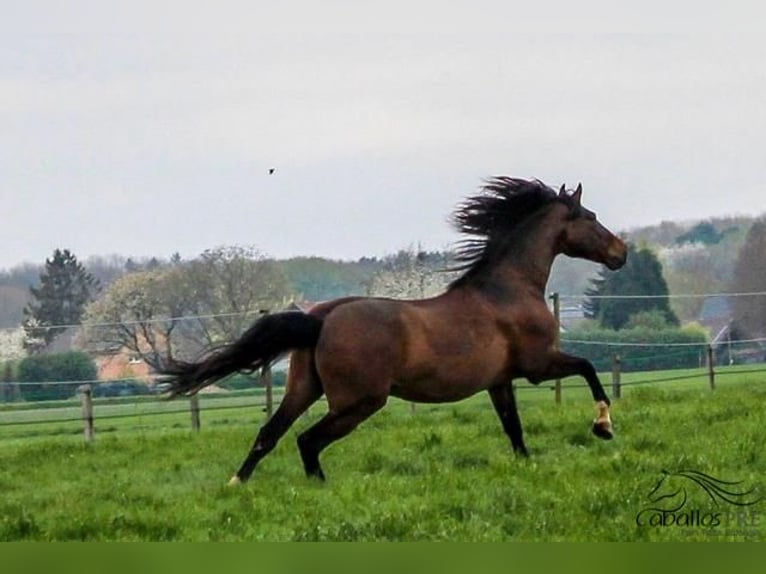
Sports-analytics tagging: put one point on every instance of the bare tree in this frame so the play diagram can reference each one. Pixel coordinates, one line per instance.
(232, 283)
(178, 311)
(139, 312)
(750, 277)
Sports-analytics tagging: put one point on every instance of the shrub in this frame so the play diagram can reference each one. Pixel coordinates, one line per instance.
(121, 388)
(241, 381)
(56, 367)
(663, 350)
(653, 319)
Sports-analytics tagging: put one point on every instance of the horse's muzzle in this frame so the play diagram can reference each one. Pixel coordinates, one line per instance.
(617, 254)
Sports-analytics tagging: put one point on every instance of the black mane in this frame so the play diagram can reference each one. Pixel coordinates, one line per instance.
(491, 218)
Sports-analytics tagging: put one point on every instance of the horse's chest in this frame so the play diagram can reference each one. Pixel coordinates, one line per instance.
(529, 327)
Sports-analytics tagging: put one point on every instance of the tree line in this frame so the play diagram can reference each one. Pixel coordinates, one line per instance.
(223, 289)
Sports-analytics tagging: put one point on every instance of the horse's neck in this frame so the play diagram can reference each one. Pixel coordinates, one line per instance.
(528, 270)
(528, 262)
(523, 266)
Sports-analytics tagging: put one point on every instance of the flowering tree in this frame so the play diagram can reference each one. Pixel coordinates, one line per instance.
(179, 310)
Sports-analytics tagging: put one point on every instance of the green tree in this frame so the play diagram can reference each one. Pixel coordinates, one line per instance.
(641, 276)
(65, 288)
(704, 232)
(750, 277)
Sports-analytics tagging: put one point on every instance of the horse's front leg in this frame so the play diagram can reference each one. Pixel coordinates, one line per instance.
(562, 365)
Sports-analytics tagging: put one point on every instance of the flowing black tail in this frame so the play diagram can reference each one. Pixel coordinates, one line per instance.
(263, 343)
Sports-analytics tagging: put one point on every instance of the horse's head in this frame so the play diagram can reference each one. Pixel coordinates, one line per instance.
(665, 489)
(583, 235)
(667, 495)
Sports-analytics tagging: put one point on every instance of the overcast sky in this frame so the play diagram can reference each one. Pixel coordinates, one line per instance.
(151, 130)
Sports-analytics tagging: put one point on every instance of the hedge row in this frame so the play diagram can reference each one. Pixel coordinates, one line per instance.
(670, 348)
(55, 367)
(241, 381)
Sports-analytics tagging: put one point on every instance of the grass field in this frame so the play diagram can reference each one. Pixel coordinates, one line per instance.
(441, 473)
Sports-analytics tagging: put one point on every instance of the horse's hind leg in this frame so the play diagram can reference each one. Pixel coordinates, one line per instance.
(270, 433)
(333, 426)
(303, 389)
(504, 401)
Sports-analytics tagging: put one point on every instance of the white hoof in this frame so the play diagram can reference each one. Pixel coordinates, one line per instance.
(235, 481)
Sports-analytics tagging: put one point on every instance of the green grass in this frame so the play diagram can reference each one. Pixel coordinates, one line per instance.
(442, 473)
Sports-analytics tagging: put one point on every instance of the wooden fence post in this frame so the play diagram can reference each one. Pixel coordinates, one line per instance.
(710, 367)
(557, 338)
(86, 396)
(616, 370)
(194, 405)
(267, 382)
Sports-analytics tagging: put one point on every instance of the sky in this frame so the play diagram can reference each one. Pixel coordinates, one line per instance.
(150, 129)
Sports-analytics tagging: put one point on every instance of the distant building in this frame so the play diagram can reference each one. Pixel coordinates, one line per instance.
(717, 314)
(121, 364)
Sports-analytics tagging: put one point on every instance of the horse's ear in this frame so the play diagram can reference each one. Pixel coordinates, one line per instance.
(577, 195)
(563, 190)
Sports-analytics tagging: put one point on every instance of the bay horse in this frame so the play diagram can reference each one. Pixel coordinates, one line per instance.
(490, 326)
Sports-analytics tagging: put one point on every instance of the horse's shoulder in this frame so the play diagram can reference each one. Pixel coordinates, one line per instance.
(532, 317)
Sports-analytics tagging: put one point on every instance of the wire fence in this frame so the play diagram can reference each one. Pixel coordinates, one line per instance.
(86, 415)
(616, 358)
(254, 312)
(48, 416)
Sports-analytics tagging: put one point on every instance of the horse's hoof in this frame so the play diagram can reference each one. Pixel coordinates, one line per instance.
(603, 430)
(521, 452)
(235, 481)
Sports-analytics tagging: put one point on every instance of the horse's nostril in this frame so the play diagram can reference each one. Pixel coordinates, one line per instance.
(618, 254)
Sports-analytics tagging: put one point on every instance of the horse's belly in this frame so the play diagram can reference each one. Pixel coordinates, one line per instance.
(428, 394)
(451, 369)
(444, 384)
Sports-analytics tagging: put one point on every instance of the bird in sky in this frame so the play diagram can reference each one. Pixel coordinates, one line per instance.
(272, 170)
